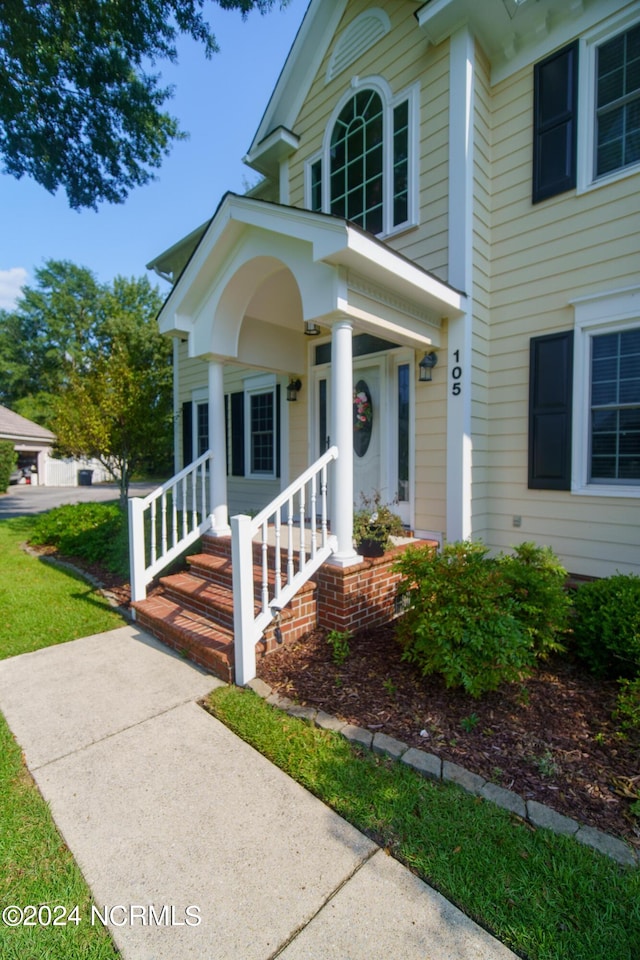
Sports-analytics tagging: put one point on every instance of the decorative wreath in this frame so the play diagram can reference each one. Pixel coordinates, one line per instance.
(361, 410)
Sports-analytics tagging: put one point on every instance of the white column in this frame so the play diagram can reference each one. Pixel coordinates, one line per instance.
(342, 437)
(461, 158)
(217, 444)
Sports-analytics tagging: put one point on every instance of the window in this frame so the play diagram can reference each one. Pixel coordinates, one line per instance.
(609, 135)
(606, 394)
(617, 140)
(614, 455)
(366, 170)
(355, 175)
(262, 433)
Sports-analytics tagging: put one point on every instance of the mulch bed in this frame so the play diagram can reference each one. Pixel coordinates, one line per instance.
(551, 739)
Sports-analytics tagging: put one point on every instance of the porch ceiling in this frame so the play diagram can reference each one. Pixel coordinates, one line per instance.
(282, 266)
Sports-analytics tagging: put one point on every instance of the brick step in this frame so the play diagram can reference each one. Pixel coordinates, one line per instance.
(203, 596)
(217, 569)
(193, 635)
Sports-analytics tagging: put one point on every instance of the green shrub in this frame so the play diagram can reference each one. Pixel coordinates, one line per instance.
(537, 581)
(606, 626)
(462, 618)
(628, 707)
(96, 532)
(8, 460)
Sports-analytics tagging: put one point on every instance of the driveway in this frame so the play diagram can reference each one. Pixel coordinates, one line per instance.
(25, 499)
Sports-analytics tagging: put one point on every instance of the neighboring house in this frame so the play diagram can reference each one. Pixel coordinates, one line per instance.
(31, 441)
(456, 180)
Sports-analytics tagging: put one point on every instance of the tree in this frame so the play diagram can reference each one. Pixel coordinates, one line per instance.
(87, 360)
(80, 108)
(117, 412)
(52, 329)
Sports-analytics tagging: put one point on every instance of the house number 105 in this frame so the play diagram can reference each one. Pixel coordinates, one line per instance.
(456, 375)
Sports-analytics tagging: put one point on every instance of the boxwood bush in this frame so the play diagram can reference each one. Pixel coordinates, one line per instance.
(606, 626)
(477, 620)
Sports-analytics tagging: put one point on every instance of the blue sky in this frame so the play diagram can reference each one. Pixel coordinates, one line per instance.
(220, 103)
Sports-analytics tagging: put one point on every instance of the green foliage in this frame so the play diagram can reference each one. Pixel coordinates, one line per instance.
(8, 460)
(69, 330)
(606, 626)
(376, 521)
(96, 532)
(81, 104)
(628, 707)
(537, 582)
(88, 361)
(339, 643)
(462, 619)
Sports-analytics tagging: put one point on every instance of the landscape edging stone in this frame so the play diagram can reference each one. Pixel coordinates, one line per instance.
(434, 768)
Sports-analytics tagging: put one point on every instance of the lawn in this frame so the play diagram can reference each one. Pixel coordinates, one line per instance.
(545, 896)
(40, 606)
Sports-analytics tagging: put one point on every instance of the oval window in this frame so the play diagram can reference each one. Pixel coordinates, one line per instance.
(362, 418)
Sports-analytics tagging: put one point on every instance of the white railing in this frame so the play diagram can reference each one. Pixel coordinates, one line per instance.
(292, 540)
(167, 521)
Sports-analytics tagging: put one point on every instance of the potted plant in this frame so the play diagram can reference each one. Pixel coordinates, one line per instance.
(373, 526)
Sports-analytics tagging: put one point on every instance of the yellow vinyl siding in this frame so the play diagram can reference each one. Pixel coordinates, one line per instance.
(544, 256)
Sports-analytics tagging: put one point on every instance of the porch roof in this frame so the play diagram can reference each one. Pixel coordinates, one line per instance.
(253, 250)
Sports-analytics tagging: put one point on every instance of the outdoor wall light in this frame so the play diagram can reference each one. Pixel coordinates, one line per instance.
(426, 366)
(292, 389)
(311, 329)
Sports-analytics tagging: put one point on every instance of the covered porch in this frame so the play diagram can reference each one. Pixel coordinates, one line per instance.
(265, 286)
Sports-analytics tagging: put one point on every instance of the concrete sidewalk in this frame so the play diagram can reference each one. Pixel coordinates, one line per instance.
(162, 805)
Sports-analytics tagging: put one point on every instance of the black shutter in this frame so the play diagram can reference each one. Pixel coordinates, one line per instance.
(237, 434)
(550, 391)
(555, 115)
(187, 433)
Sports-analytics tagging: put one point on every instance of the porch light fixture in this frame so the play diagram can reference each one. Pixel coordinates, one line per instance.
(311, 329)
(426, 366)
(292, 389)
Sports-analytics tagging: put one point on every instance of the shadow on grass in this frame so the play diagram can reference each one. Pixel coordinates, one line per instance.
(545, 896)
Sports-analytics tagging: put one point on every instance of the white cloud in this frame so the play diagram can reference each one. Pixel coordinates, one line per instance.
(11, 283)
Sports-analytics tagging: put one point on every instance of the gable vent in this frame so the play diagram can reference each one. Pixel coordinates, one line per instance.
(360, 36)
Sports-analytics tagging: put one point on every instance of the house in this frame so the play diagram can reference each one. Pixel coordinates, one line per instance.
(448, 227)
(32, 443)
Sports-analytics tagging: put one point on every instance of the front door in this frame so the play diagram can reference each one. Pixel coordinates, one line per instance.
(382, 444)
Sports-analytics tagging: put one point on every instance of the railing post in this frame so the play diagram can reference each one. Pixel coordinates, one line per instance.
(137, 549)
(243, 602)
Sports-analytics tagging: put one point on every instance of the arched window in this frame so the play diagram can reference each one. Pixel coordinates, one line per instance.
(366, 169)
(356, 162)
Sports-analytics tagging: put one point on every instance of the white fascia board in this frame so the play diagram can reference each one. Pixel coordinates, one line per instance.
(301, 66)
(279, 145)
(402, 275)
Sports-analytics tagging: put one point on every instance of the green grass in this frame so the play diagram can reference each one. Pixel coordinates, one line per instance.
(37, 868)
(547, 897)
(41, 605)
